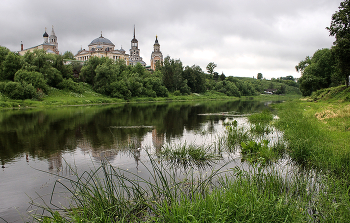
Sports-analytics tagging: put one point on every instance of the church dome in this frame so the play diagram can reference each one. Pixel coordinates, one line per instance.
(45, 34)
(101, 41)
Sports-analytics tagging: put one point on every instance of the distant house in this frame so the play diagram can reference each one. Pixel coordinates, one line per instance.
(270, 91)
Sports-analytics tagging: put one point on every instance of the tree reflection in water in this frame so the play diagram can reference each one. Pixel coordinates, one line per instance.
(105, 130)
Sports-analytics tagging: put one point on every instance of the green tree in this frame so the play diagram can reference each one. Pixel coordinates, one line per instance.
(340, 28)
(58, 63)
(303, 64)
(317, 72)
(10, 66)
(281, 90)
(106, 73)
(87, 72)
(211, 67)
(76, 68)
(195, 78)
(19, 91)
(172, 74)
(34, 78)
(68, 55)
(216, 76)
(259, 76)
(140, 70)
(222, 76)
(52, 76)
(3, 53)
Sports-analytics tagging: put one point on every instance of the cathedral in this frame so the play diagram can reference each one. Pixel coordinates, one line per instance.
(50, 44)
(102, 47)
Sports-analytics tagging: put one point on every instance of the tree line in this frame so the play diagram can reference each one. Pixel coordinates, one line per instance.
(31, 76)
(329, 67)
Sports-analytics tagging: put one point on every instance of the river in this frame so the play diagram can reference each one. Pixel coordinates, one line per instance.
(38, 146)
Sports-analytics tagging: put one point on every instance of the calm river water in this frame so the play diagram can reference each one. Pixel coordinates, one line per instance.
(35, 143)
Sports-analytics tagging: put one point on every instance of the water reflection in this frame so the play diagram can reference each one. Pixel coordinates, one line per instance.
(47, 139)
(46, 134)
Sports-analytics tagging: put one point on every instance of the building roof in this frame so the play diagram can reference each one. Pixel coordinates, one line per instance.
(101, 41)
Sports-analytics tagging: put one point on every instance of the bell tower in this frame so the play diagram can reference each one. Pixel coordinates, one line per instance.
(156, 54)
(135, 56)
(53, 39)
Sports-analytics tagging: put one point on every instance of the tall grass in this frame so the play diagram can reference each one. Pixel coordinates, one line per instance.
(189, 155)
(257, 194)
(310, 142)
(254, 144)
(263, 117)
(109, 194)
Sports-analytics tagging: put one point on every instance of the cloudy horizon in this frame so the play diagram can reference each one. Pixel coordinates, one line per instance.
(242, 37)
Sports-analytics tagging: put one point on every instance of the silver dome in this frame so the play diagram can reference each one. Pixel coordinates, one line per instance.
(101, 41)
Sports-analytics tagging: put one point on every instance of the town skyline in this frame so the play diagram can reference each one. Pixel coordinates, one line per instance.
(242, 38)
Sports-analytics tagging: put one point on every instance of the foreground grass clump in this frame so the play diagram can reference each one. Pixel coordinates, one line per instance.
(263, 117)
(235, 135)
(258, 194)
(189, 155)
(254, 144)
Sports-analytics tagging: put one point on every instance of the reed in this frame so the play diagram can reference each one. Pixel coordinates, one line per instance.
(189, 155)
(256, 194)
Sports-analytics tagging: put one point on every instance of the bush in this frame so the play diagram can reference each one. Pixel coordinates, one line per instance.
(2, 87)
(52, 76)
(120, 90)
(31, 77)
(70, 85)
(15, 90)
(177, 93)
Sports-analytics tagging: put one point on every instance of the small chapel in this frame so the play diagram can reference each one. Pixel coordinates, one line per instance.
(50, 44)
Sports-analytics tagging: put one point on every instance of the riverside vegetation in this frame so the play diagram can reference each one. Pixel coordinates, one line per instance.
(41, 79)
(314, 189)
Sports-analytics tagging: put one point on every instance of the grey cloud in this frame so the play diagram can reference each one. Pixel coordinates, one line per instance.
(283, 32)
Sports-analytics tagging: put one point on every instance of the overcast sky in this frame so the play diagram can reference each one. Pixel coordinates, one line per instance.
(243, 37)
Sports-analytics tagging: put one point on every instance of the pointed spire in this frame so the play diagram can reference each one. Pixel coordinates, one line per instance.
(53, 32)
(134, 31)
(101, 35)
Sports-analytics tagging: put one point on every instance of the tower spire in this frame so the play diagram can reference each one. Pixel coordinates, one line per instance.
(53, 31)
(134, 31)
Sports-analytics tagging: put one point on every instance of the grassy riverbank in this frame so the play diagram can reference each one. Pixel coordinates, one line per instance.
(316, 189)
(56, 97)
(318, 130)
